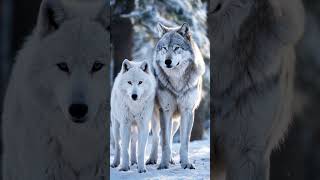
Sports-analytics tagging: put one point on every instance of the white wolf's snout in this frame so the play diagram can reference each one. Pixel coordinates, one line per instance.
(78, 112)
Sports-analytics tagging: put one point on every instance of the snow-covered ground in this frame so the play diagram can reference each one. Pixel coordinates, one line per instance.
(199, 154)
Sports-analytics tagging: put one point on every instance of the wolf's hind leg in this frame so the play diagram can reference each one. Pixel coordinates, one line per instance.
(133, 145)
(155, 139)
(175, 127)
(116, 137)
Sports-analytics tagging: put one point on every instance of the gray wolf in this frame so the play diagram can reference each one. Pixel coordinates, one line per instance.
(253, 57)
(132, 106)
(178, 66)
(54, 117)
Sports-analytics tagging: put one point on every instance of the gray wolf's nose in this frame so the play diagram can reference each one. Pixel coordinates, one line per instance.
(78, 112)
(168, 62)
(134, 97)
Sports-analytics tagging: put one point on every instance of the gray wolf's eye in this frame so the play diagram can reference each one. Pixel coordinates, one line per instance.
(97, 66)
(140, 82)
(129, 82)
(176, 48)
(63, 67)
(164, 48)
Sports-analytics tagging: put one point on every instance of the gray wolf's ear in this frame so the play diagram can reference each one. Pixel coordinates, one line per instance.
(185, 31)
(51, 16)
(145, 67)
(126, 65)
(104, 16)
(162, 29)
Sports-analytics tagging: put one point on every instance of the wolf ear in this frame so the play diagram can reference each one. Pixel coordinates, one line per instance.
(51, 16)
(145, 67)
(162, 29)
(126, 65)
(104, 17)
(184, 31)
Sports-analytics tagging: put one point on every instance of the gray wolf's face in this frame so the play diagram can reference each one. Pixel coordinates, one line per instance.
(226, 18)
(136, 81)
(174, 51)
(73, 55)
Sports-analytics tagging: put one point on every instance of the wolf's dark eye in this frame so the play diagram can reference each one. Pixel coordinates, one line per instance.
(217, 9)
(63, 67)
(129, 82)
(97, 66)
(176, 48)
(140, 82)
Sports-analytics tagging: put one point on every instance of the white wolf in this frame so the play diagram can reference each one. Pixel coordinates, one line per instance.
(132, 104)
(178, 66)
(54, 117)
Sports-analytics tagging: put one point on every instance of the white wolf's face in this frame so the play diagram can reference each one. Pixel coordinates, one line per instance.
(137, 82)
(71, 65)
(173, 51)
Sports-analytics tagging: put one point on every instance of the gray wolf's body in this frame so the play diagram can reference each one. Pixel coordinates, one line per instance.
(178, 66)
(132, 106)
(252, 47)
(54, 118)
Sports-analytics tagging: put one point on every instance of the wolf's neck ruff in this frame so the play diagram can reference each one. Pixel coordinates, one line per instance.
(165, 82)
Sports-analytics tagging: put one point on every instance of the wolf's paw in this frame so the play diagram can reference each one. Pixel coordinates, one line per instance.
(114, 165)
(163, 166)
(172, 161)
(142, 170)
(133, 163)
(187, 166)
(124, 168)
(151, 162)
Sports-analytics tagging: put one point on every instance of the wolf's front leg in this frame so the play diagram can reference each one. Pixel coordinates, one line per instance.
(125, 128)
(142, 141)
(187, 118)
(166, 126)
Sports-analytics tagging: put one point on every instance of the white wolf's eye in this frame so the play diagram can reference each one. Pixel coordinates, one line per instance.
(140, 82)
(97, 66)
(129, 82)
(63, 67)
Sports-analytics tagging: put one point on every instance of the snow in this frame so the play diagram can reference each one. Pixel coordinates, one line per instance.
(199, 155)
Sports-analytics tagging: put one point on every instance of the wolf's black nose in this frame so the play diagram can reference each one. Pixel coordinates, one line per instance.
(168, 62)
(78, 111)
(134, 97)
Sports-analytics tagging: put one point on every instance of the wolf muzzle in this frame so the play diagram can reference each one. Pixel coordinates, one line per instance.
(78, 112)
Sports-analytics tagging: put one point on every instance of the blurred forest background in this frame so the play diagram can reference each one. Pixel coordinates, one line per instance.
(133, 36)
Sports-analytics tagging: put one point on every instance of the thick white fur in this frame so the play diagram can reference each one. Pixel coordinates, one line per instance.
(127, 113)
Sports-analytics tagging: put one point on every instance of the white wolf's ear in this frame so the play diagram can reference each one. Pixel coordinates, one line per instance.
(126, 65)
(145, 67)
(104, 17)
(162, 29)
(51, 16)
(184, 30)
